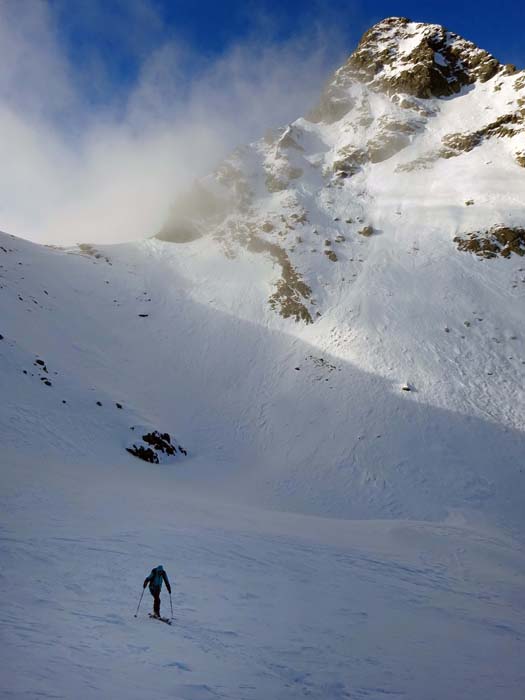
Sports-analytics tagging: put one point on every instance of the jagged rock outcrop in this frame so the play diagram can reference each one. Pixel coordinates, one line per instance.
(499, 240)
(400, 56)
(153, 446)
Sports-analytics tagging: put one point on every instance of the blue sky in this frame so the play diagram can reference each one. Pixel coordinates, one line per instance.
(116, 35)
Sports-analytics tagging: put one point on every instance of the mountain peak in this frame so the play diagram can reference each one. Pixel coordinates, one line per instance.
(383, 147)
(399, 56)
(419, 59)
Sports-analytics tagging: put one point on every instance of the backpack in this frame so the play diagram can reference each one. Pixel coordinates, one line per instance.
(156, 579)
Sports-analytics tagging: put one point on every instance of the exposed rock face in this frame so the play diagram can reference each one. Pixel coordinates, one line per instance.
(424, 60)
(519, 83)
(398, 56)
(154, 445)
(506, 126)
(348, 161)
(499, 240)
(88, 249)
(291, 292)
(144, 453)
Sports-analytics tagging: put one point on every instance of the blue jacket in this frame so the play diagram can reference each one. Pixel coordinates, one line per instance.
(155, 579)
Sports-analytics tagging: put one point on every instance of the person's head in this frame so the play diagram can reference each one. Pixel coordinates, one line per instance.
(160, 568)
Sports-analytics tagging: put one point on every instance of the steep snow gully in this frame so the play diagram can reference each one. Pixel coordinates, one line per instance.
(341, 380)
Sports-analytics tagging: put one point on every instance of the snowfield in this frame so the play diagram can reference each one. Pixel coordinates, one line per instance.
(267, 603)
(348, 520)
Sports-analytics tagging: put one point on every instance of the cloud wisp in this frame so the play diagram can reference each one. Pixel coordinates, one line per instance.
(106, 170)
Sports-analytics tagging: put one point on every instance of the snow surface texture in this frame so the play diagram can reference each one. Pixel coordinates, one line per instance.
(328, 533)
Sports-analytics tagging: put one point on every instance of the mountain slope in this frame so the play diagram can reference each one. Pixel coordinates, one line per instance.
(266, 604)
(268, 417)
(330, 330)
(319, 276)
(385, 214)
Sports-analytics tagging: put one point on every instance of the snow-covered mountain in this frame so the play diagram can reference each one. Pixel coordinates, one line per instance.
(329, 325)
(418, 125)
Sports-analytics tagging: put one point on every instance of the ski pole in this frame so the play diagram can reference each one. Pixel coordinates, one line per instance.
(171, 606)
(140, 601)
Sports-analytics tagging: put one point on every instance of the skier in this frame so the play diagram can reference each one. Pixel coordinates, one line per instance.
(155, 579)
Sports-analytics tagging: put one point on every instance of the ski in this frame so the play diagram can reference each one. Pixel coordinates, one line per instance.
(160, 619)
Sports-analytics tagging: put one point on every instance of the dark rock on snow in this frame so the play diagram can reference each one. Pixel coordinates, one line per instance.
(159, 443)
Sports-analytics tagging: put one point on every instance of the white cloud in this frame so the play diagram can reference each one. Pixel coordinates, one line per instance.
(73, 172)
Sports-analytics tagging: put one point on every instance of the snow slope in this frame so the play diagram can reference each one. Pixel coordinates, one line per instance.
(265, 604)
(267, 414)
(330, 534)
